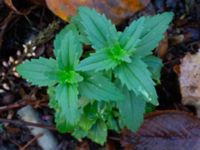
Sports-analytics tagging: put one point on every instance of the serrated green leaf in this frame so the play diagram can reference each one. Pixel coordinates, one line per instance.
(70, 77)
(98, 132)
(53, 103)
(59, 37)
(70, 51)
(67, 97)
(79, 133)
(137, 78)
(99, 88)
(112, 124)
(61, 124)
(118, 54)
(154, 65)
(89, 117)
(132, 110)
(97, 62)
(76, 21)
(131, 35)
(149, 108)
(154, 28)
(101, 32)
(105, 59)
(40, 72)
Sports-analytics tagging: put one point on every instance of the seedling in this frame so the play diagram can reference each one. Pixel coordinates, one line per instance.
(108, 89)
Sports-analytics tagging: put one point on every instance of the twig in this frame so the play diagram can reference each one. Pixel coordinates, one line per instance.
(4, 25)
(31, 141)
(24, 123)
(21, 104)
(12, 106)
(9, 116)
(15, 143)
(114, 138)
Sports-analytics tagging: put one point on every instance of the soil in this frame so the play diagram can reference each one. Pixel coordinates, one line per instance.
(38, 25)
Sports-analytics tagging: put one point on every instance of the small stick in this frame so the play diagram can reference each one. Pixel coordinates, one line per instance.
(114, 138)
(15, 143)
(31, 141)
(24, 123)
(4, 25)
(9, 116)
(12, 106)
(21, 104)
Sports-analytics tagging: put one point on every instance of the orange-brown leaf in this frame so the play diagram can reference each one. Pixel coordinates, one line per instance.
(116, 10)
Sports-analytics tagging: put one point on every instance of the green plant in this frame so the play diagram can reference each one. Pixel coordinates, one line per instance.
(108, 89)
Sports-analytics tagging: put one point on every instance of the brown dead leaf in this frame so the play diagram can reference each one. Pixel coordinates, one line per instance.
(116, 10)
(165, 130)
(189, 79)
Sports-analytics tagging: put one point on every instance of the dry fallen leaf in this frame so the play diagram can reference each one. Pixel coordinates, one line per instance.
(189, 79)
(116, 10)
(165, 130)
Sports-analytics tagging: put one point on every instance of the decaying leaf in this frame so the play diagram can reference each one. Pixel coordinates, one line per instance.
(165, 130)
(189, 79)
(116, 10)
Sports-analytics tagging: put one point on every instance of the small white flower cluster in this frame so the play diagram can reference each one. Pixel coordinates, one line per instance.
(10, 65)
